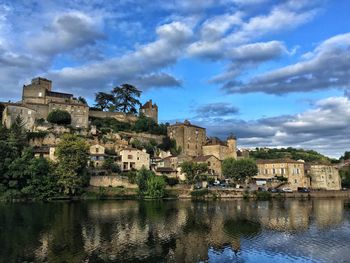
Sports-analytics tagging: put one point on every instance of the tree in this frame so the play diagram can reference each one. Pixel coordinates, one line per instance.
(345, 177)
(141, 179)
(103, 100)
(111, 166)
(82, 100)
(72, 155)
(194, 171)
(126, 98)
(239, 169)
(155, 187)
(60, 117)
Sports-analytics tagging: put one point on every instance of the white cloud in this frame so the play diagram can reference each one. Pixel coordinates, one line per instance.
(326, 67)
(324, 128)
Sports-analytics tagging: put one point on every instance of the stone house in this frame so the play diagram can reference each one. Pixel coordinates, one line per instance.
(214, 146)
(134, 159)
(97, 155)
(293, 171)
(47, 152)
(189, 137)
(214, 164)
(325, 177)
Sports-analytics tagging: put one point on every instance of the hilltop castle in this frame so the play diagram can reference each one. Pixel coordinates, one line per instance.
(38, 100)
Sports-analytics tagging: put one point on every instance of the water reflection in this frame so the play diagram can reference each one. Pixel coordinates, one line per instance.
(176, 231)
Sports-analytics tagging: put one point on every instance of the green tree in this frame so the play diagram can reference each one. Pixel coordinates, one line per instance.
(195, 172)
(126, 98)
(72, 155)
(111, 166)
(103, 100)
(155, 187)
(345, 177)
(141, 179)
(82, 100)
(239, 170)
(60, 117)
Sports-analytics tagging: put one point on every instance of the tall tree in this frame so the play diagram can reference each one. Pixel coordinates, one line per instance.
(195, 172)
(126, 98)
(72, 155)
(104, 100)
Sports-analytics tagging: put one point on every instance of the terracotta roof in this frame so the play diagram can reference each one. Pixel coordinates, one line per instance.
(203, 158)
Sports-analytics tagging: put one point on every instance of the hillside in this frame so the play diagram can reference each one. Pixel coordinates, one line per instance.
(292, 153)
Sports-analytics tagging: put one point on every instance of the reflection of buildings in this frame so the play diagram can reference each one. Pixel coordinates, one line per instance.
(182, 231)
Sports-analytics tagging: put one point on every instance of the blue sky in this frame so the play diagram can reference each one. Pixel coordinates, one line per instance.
(275, 73)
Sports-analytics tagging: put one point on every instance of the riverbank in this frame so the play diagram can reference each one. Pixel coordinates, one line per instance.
(121, 193)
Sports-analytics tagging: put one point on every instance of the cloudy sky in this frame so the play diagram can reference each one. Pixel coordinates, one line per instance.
(275, 73)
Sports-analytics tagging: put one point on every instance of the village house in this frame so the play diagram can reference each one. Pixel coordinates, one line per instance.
(214, 164)
(277, 169)
(214, 146)
(97, 155)
(134, 159)
(324, 177)
(47, 152)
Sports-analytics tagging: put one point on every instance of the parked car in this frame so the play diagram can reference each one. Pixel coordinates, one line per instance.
(344, 189)
(198, 186)
(261, 189)
(287, 190)
(273, 190)
(216, 183)
(303, 190)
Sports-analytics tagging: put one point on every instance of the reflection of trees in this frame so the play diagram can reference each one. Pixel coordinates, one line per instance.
(131, 231)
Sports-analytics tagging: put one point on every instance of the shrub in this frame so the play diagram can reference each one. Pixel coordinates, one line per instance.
(262, 195)
(171, 181)
(199, 193)
(60, 117)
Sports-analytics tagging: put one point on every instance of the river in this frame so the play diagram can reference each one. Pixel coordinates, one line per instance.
(315, 230)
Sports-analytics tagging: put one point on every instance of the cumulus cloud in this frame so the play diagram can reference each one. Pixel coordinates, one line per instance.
(218, 109)
(67, 31)
(324, 128)
(326, 67)
(146, 59)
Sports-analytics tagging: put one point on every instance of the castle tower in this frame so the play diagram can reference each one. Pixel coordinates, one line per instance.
(150, 110)
(232, 145)
(36, 91)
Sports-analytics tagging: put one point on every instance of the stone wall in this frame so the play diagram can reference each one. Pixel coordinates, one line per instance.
(114, 181)
(115, 115)
(143, 137)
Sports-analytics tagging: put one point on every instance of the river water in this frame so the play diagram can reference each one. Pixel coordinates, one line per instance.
(176, 231)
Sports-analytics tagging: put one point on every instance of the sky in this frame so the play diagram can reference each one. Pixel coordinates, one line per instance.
(274, 73)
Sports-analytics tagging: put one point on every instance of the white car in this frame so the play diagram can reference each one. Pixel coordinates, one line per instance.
(287, 190)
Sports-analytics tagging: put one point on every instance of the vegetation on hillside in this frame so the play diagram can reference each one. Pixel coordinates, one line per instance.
(292, 153)
(149, 184)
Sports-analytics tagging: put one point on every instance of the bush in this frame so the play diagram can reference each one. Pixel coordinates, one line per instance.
(60, 117)
(155, 187)
(171, 181)
(199, 193)
(262, 195)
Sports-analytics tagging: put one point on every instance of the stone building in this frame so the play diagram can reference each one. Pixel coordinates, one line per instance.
(293, 171)
(47, 152)
(219, 149)
(190, 138)
(134, 159)
(214, 164)
(325, 177)
(38, 100)
(150, 110)
(97, 155)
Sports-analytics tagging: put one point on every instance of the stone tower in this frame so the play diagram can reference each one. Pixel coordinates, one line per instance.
(36, 91)
(232, 145)
(150, 110)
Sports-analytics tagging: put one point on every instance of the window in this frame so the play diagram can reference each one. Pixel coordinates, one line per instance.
(296, 181)
(40, 94)
(97, 150)
(273, 171)
(130, 157)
